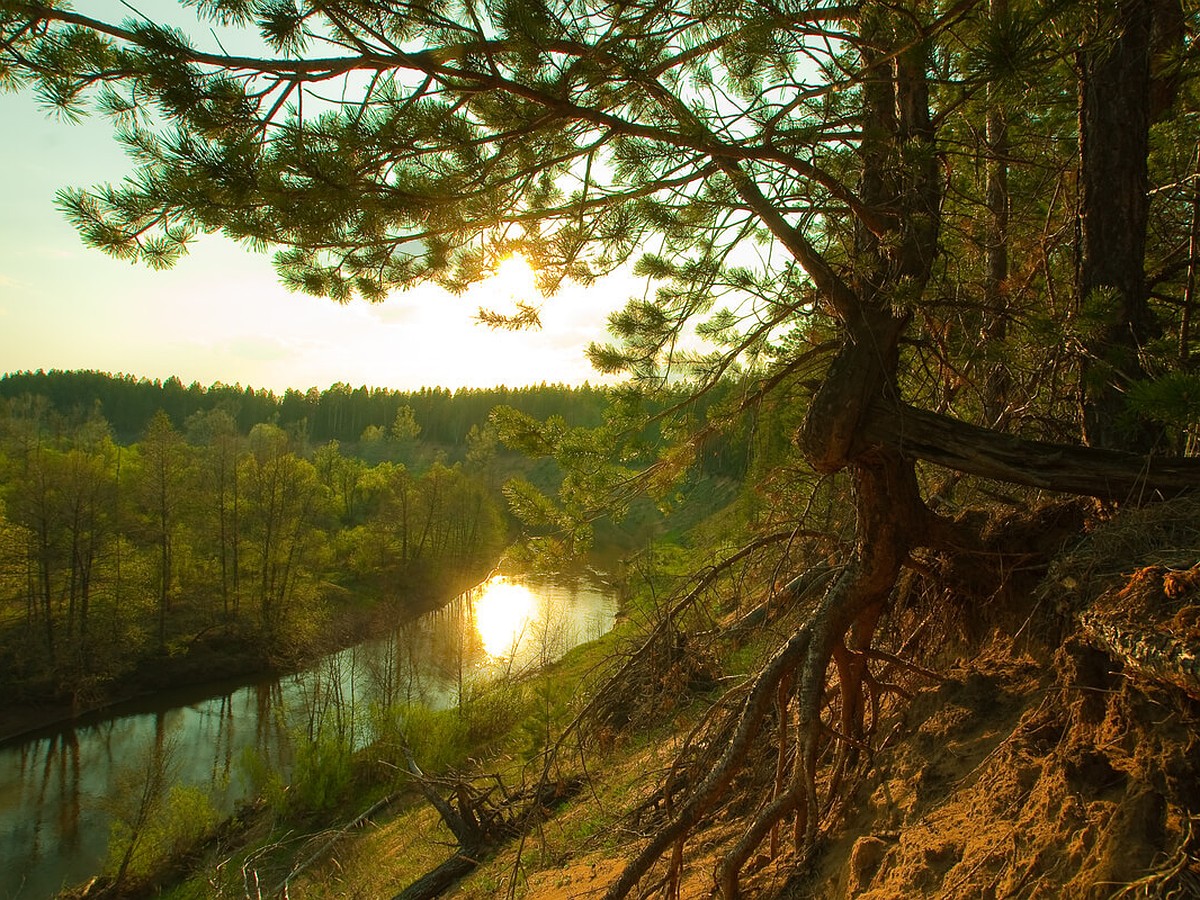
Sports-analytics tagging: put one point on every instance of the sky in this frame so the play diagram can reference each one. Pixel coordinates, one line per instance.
(220, 314)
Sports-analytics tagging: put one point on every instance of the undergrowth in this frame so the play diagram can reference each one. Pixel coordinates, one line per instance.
(1005, 751)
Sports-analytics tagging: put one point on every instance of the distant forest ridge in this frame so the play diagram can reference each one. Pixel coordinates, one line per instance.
(340, 412)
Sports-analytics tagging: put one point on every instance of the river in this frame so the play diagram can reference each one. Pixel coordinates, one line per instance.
(59, 787)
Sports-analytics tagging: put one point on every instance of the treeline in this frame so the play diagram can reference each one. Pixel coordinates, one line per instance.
(339, 413)
(232, 520)
(208, 537)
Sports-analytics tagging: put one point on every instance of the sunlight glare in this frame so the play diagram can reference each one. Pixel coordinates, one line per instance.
(513, 279)
(502, 616)
(515, 276)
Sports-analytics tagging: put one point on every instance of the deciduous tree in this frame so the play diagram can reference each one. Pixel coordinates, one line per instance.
(787, 174)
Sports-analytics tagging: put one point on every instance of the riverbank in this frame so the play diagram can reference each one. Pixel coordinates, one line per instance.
(72, 785)
(513, 707)
(219, 659)
(1010, 751)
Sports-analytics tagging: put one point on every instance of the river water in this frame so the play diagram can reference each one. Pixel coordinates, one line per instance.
(59, 788)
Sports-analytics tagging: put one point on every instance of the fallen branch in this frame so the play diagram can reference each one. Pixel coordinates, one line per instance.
(1069, 468)
(479, 824)
(436, 881)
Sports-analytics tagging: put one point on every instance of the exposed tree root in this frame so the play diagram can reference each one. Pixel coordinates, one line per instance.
(819, 688)
(1177, 876)
(750, 719)
(1152, 625)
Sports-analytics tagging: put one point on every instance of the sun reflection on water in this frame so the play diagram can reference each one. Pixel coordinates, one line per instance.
(503, 614)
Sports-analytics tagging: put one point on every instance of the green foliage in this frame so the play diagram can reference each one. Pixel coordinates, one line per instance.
(1173, 399)
(441, 739)
(404, 427)
(185, 818)
(733, 156)
(537, 727)
(321, 769)
(491, 708)
(876, 202)
(438, 738)
(440, 419)
(597, 479)
(1010, 49)
(259, 778)
(210, 538)
(155, 819)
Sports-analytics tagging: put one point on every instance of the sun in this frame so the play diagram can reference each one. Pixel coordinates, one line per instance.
(513, 279)
(516, 274)
(508, 297)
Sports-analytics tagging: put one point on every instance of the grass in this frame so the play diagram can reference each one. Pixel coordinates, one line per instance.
(493, 734)
(501, 731)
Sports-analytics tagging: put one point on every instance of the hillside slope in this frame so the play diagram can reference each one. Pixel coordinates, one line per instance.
(1015, 753)
(1040, 763)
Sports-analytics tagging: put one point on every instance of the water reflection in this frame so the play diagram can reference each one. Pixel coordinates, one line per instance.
(57, 791)
(504, 612)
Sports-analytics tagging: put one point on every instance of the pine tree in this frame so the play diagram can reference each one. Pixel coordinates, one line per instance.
(797, 182)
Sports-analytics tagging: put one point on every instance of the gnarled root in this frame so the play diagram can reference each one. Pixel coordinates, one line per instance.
(826, 718)
(688, 814)
(812, 736)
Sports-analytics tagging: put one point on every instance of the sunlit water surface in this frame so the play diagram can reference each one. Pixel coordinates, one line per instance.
(60, 788)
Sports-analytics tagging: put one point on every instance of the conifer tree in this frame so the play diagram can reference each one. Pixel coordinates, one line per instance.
(794, 178)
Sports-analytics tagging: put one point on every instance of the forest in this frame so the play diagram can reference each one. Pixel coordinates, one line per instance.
(339, 413)
(221, 541)
(934, 265)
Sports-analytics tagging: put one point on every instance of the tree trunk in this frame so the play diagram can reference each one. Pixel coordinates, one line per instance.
(1072, 469)
(437, 881)
(995, 326)
(1114, 142)
(857, 422)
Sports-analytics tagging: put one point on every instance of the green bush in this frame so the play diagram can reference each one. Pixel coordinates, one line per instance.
(260, 779)
(491, 711)
(322, 770)
(437, 737)
(177, 824)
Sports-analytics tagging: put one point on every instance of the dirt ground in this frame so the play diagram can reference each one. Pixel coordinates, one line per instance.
(1007, 780)
(1027, 772)
(1042, 749)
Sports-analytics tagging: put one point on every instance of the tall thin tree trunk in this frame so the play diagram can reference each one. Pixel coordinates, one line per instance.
(237, 566)
(1114, 142)
(995, 330)
(223, 537)
(117, 543)
(1189, 296)
(47, 593)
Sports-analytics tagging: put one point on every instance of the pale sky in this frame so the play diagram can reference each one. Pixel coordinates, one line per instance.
(221, 315)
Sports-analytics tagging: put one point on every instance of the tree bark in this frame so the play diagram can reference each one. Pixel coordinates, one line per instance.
(995, 326)
(1156, 654)
(1114, 143)
(1072, 469)
(437, 881)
